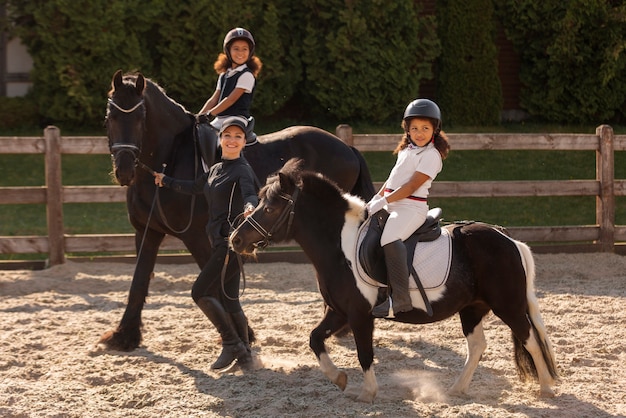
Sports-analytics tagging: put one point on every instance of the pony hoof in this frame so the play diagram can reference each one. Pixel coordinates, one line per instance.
(457, 393)
(341, 381)
(546, 393)
(366, 397)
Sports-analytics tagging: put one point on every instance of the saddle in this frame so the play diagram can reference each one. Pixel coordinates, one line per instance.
(371, 255)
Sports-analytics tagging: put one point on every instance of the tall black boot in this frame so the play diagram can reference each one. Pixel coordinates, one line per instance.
(208, 142)
(232, 346)
(398, 281)
(240, 323)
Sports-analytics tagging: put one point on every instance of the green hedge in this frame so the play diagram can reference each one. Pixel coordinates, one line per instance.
(573, 57)
(326, 55)
(339, 60)
(469, 89)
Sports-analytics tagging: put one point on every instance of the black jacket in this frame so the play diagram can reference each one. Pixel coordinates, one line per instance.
(228, 187)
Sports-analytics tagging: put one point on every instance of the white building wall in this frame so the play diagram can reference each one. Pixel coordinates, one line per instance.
(19, 65)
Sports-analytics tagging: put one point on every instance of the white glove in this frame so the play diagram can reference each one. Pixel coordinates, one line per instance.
(377, 203)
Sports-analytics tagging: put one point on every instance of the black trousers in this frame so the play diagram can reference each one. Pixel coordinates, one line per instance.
(209, 281)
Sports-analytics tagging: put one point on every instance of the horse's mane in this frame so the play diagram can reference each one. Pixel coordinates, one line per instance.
(152, 91)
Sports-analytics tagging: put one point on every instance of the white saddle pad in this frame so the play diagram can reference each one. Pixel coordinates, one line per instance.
(431, 262)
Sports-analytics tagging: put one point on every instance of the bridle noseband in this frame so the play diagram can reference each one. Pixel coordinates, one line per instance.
(124, 146)
(285, 216)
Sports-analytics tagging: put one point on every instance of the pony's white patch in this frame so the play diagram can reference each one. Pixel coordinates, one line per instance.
(354, 217)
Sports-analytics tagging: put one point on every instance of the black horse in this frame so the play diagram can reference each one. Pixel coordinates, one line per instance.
(488, 271)
(148, 132)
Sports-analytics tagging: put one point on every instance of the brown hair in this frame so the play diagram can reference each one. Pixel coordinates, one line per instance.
(223, 63)
(440, 139)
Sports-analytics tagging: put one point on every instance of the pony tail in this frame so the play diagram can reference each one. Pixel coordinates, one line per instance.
(442, 144)
(404, 142)
(222, 63)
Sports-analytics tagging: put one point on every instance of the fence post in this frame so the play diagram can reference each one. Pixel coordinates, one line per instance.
(54, 196)
(605, 201)
(344, 132)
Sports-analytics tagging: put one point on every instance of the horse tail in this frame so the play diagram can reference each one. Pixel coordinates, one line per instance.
(364, 187)
(523, 360)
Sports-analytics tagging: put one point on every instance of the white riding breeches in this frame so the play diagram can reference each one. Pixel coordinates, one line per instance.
(405, 217)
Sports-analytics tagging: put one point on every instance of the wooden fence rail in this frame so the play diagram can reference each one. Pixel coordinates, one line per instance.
(599, 237)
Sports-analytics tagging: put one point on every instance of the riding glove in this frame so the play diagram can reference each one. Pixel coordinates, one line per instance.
(377, 203)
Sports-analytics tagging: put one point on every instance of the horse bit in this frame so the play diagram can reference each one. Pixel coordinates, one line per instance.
(285, 216)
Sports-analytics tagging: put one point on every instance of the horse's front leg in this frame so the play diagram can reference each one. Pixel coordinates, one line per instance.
(331, 323)
(127, 335)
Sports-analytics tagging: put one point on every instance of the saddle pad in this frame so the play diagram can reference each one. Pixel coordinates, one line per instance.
(431, 261)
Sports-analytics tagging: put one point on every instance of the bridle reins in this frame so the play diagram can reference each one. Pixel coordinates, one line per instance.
(286, 216)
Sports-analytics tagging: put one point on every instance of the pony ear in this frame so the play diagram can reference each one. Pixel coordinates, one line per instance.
(284, 180)
(140, 84)
(116, 83)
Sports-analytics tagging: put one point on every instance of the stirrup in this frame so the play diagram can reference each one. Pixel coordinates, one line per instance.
(384, 310)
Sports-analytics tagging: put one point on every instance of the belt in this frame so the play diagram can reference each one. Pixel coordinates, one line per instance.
(419, 199)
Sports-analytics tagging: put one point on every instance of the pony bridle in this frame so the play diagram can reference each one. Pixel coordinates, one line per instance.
(285, 216)
(125, 146)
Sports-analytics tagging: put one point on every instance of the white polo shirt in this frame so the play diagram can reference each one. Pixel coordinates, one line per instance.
(426, 160)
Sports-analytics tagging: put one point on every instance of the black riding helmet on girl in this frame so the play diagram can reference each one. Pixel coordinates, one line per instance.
(238, 33)
(423, 108)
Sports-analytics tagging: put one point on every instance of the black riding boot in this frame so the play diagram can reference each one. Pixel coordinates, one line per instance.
(232, 346)
(250, 135)
(398, 281)
(240, 323)
(208, 142)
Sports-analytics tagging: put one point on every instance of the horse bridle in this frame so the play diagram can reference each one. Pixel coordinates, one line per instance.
(135, 151)
(285, 216)
(124, 146)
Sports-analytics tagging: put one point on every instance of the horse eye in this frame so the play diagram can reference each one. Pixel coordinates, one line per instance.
(268, 209)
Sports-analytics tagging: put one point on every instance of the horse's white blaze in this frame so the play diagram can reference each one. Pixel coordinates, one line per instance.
(476, 345)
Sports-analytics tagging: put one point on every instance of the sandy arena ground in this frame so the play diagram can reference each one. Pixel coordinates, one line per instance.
(51, 365)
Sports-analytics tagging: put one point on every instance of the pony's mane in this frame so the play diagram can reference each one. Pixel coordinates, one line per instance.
(314, 183)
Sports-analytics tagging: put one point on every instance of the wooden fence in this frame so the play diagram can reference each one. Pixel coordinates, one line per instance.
(599, 237)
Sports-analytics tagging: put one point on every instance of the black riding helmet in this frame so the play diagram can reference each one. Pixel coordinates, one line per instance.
(423, 108)
(238, 33)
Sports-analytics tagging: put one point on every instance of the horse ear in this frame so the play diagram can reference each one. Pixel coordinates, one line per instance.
(140, 84)
(116, 83)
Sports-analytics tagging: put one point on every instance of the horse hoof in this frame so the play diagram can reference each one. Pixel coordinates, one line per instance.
(341, 381)
(546, 393)
(115, 340)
